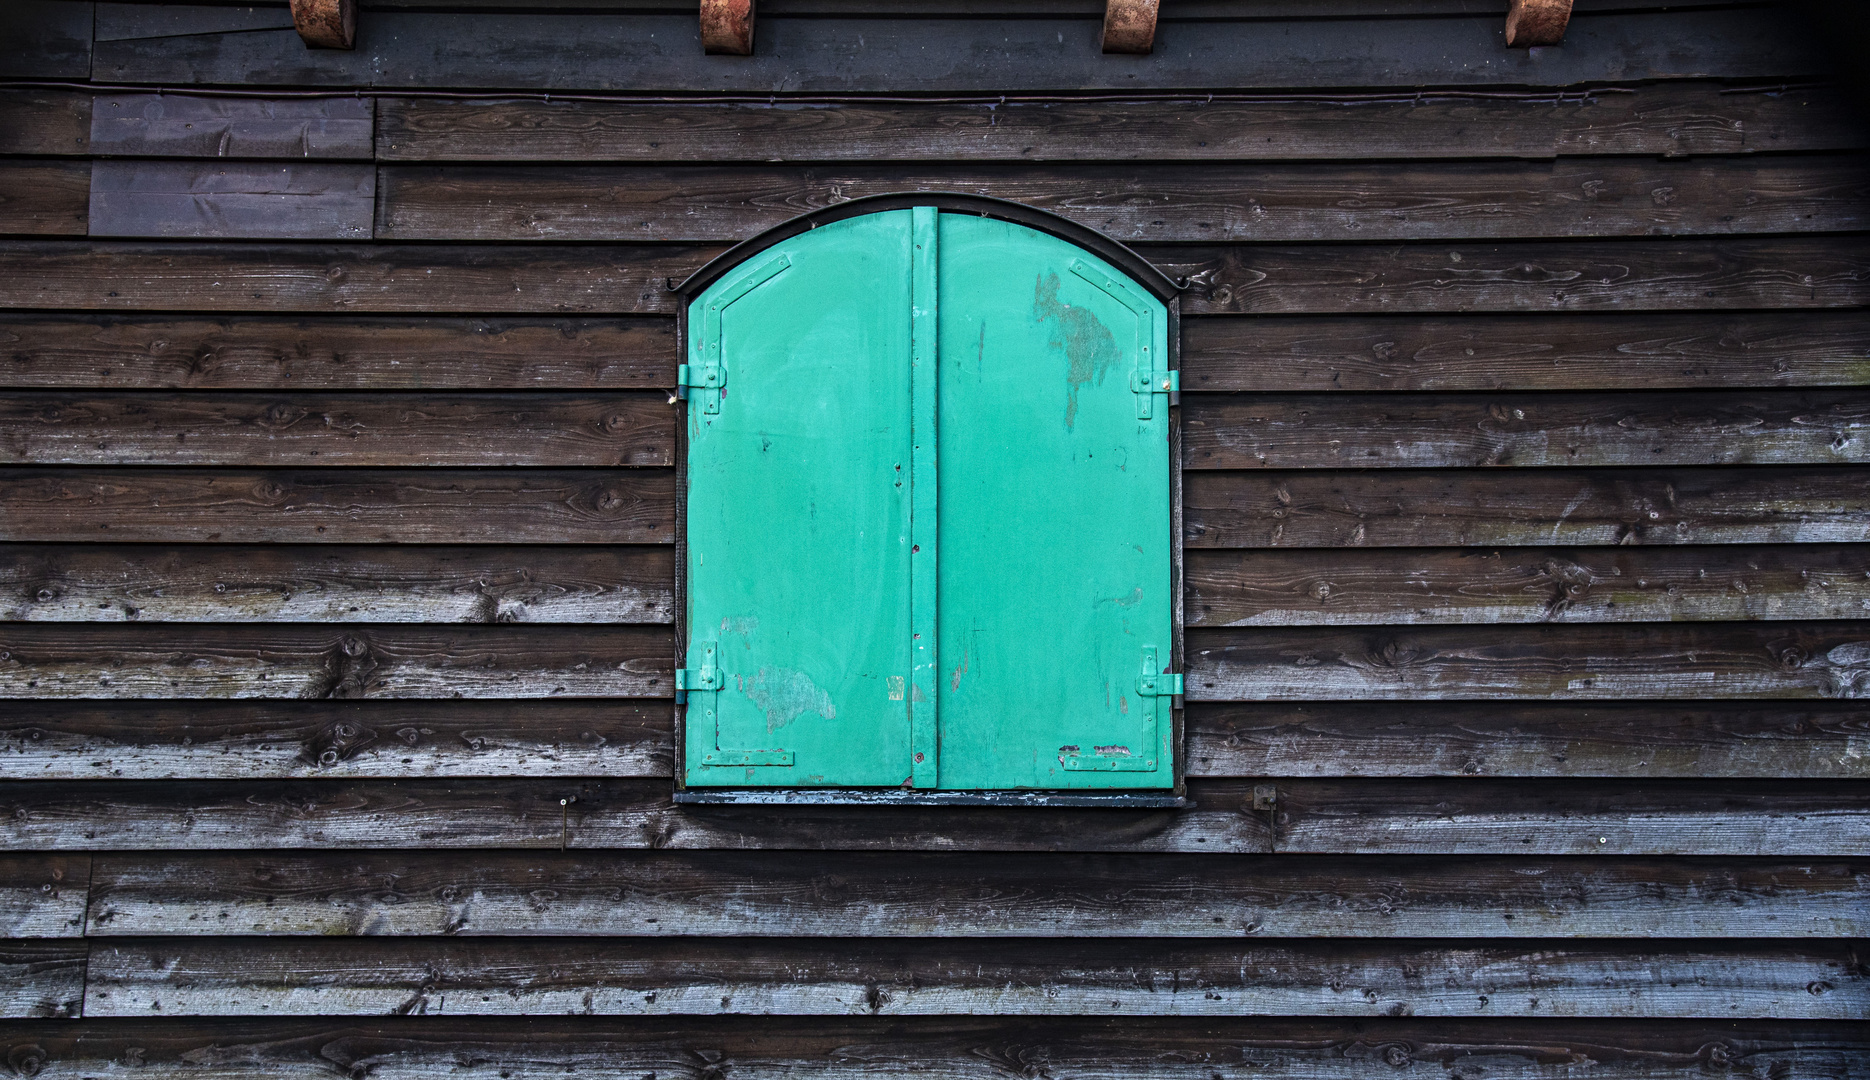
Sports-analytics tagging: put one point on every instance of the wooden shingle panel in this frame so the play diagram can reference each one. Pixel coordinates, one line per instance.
(42, 979)
(233, 200)
(44, 198)
(46, 39)
(45, 121)
(181, 126)
(43, 896)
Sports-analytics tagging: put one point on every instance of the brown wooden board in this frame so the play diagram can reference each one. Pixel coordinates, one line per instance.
(1187, 202)
(46, 198)
(237, 200)
(43, 896)
(325, 584)
(1558, 663)
(293, 661)
(324, 429)
(1525, 585)
(1734, 427)
(1637, 740)
(433, 506)
(1666, 119)
(855, 1048)
(1523, 507)
(44, 121)
(42, 979)
(1527, 352)
(46, 39)
(970, 895)
(228, 740)
(179, 125)
(135, 352)
(539, 50)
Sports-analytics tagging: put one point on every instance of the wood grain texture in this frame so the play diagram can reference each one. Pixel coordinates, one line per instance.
(1527, 352)
(1664, 120)
(1800, 661)
(44, 121)
(1465, 816)
(615, 279)
(286, 661)
(177, 125)
(137, 352)
(43, 896)
(1658, 275)
(154, 740)
(46, 39)
(1634, 740)
(44, 198)
(135, 19)
(233, 200)
(1524, 508)
(540, 50)
(42, 979)
(1752, 427)
(851, 1048)
(433, 506)
(323, 429)
(497, 977)
(734, 895)
(1526, 585)
(362, 584)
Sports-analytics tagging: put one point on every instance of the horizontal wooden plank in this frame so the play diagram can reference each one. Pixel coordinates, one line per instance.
(1733, 427)
(1637, 740)
(1433, 508)
(1018, 977)
(1657, 275)
(1648, 351)
(540, 50)
(1666, 119)
(46, 39)
(121, 21)
(367, 584)
(1189, 202)
(154, 740)
(336, 128)
(119, 352)
(1559, 663)
(247, 200)
(1462, 816)
(853, 1048)
(301, 429)
(431, 506)
(43, 896)
(618, 279)
(1524, 585)
(42, 979)
(288, 661)
(46, 198)
(36, 120)
(735, 895)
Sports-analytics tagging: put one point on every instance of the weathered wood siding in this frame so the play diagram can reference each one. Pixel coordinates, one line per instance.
(1527, 451)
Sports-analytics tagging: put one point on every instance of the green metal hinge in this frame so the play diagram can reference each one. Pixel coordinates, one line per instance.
(706, 376)
(709, 677)
(1154, 682)
(1147, 384)
(706, 677)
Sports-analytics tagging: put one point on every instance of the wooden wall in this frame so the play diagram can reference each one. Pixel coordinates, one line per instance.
(1528, 547)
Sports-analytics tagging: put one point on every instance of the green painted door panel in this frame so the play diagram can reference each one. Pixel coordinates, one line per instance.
(1054, 537)
(798, 513)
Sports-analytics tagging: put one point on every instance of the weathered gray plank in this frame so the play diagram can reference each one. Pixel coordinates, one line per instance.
(1542, 507)
(428, 506)
(178, 125)
(242, 200)
(539, 50)
(1560, 663)
(153, 740)
(46, 39)
(1525, 585)
(370, 584)
(42, 978)
(44, 198)
(286, 661)
(1659, 120)
(737, 895)
(1019, 977)
(1527, 352)
(43, 896)
(39, 121)
(129, 352)
(846, 1048)
(125, 21)
(303, 428)
(1637, 740)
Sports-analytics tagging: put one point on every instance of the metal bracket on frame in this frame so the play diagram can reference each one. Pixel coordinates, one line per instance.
(1146, 381)
(710, 374)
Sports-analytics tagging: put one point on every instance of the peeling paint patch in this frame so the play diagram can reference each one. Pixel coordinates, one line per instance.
(1090, 350)
(784, 695)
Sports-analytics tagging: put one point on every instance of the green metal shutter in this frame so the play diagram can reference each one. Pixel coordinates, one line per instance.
(928, 514)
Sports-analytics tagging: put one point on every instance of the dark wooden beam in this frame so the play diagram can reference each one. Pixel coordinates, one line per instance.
(1536, 22)
(325, 24)
(1130, 26)
(727, 27)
